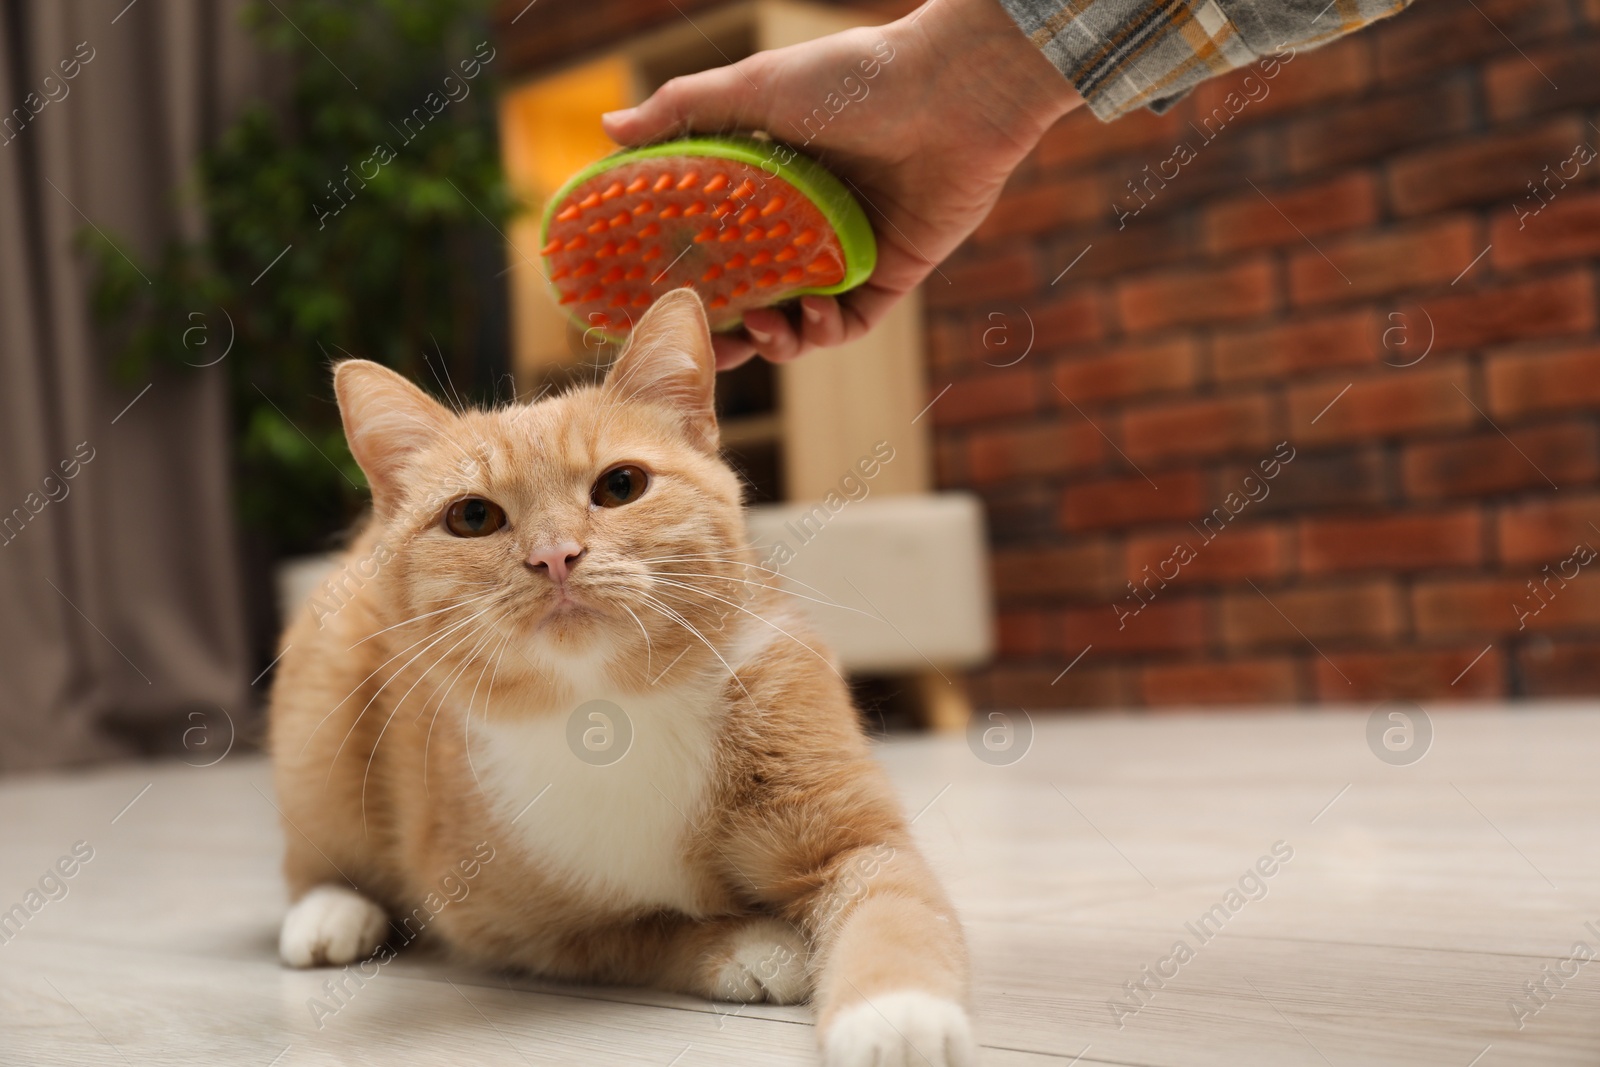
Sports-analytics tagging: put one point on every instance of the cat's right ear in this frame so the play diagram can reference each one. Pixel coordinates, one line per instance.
(669, 361)
(387, 420)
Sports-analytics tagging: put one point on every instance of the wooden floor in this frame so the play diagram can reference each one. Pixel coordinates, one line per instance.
(1419, 901)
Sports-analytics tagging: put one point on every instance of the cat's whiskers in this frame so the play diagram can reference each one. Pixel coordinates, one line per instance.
(442, 692)
(485, 634)
(676, 617)
(649, 652)
(774, 588)
(737, 563)
(466, 740)
(460, 601)
(452, 628)
(373, 674)
(754, 615)
(401, 703)
(427, 742)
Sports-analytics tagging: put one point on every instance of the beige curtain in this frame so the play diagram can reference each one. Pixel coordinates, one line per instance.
(120, 597)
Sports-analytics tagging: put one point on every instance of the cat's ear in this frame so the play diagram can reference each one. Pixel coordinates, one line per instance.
(387, 420)
(669, 360)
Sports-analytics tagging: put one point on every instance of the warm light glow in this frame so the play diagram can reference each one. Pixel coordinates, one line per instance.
(550, 128)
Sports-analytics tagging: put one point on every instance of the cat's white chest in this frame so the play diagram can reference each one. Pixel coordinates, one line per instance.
(617, 827)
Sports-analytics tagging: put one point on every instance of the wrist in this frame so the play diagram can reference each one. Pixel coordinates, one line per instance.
(979, 43)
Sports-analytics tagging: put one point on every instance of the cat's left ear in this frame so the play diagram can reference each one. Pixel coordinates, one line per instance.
(669, 360)
(387, 421)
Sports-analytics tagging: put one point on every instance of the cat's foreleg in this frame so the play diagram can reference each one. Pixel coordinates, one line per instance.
(892, 963)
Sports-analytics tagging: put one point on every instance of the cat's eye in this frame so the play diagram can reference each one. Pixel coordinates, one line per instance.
(620, 485)
(474, 516)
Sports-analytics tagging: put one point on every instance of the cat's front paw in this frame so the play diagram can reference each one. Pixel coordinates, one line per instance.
(331, 926)
(768, 962)
(905, 1029)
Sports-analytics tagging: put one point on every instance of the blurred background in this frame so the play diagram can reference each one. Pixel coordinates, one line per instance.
(1286, 396)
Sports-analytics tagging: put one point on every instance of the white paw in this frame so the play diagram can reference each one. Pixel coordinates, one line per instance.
(769, 963)
(905, 1029)
(331, 925)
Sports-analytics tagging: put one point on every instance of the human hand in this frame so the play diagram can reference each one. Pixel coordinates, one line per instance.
(959, 96)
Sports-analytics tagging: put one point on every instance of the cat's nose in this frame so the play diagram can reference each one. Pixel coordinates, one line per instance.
(556, 561)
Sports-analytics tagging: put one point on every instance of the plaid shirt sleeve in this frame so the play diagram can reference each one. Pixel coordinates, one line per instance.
(1124, 54)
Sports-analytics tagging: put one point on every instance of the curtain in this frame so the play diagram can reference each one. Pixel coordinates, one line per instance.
(121, 614)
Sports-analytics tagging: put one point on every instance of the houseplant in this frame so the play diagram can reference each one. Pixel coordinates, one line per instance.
(358, 214)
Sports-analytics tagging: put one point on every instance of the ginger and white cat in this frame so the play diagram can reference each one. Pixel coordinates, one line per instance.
(543, 571)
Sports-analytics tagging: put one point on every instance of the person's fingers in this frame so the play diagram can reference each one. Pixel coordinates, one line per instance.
(732, 350)
(775, 338)
(821, 323)
(712, 101)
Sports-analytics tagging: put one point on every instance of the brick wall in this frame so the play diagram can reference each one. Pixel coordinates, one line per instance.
(1283, 285)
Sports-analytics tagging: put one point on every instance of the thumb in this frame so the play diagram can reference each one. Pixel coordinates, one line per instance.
(713, 101)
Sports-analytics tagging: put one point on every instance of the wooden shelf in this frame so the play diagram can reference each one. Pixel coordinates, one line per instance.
(752, 430)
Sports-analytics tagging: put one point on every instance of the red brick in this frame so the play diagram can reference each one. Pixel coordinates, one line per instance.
(1035, 208)
(1391, 542)
(1411, 675)
(1209, 427)
(1114, 253)
(1546, 531)
(1326, 615)
(1435, 36)
(1021, 633)
(1237, 553)
(1252, 220)
(1516, 89)
(1388, 261)
(1465, 607)
(1298, 346)
(1007, 688)
(1074, 319)
(1549, 307)
(1389, 404)
(1082, 138)
(1118, 502)
(1088, 570)
(1161, 625)
(1001, 335)
(1132, 370)
(1307, 78)
(1194, 170)
(1008, 274)
(1192, 296)
(1021, 513)
(1567, 669)
(1559, 379)
(1486, 607)
(1486, 463)
(1001, 454)
(1568, 227)
(1313, 482)
(1253, 681)
(992, 395)
(1478, 169)
(1370, 129)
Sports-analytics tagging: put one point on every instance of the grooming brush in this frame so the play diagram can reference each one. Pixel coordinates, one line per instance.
(719, 215)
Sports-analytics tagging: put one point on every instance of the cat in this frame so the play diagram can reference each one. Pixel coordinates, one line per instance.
(561, 671)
